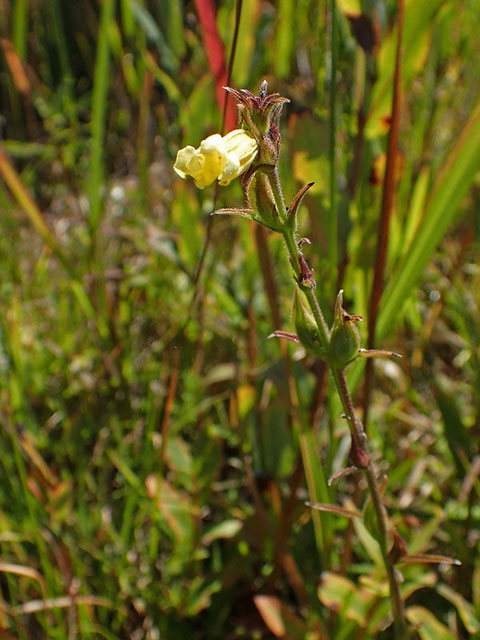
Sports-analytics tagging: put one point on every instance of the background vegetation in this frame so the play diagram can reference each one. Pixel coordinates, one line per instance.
(151, 483)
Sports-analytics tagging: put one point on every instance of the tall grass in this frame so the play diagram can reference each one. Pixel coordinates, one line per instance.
(153, 483)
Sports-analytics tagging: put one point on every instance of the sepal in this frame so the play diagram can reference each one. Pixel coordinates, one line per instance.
(249, 214)
(295, 205)
(242, 213)
(292, 337)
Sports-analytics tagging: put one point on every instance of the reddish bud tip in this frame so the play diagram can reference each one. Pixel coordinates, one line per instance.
(358, 456)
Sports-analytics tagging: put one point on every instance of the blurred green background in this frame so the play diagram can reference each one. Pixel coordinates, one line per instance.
(151, 483)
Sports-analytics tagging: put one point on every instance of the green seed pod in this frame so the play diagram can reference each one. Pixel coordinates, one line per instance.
(262, 201)
(305, 326)
(345, 339)
(344, 345)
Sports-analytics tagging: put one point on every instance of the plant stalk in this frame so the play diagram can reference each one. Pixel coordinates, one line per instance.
(358, 431)
(355, 425)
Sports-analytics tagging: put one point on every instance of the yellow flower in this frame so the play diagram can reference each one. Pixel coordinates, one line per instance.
(223, 158)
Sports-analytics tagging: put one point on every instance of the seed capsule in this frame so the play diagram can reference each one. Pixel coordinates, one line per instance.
(345, 339)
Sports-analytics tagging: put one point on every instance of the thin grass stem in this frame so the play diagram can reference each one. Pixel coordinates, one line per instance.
(20, 27)
(333, 218)
(101, 84)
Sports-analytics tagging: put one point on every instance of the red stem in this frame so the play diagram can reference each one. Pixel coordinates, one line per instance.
(386, 210)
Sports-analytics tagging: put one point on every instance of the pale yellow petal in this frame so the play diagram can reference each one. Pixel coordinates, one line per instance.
(230, 171)
(242, 144)
(181, 163)
(222, 158)
(213, 157)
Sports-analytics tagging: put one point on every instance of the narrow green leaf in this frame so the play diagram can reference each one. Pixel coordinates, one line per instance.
(280, 619)
(175, 27)
(465, 609)
(417, 206)
(148, 25)
(185, 215)
(368, 541)
(419, 19)
(101, 84)
(451, 185)
(223, 530)
(341, 595)
(317, 487)
(285, 38)
(125, 470)
(429, 628)
(455, 431)
(163, 78)
(249, 25)
(243, 213)
(20, 27)
(199, 594)
(128, 21)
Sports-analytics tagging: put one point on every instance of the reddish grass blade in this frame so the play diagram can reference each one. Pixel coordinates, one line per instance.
(386, 210)
(26, 202)
(16, 66)
(333, 508)
(421, 558)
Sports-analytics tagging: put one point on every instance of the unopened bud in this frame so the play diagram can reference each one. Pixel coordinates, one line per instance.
(260, 197)
(305, 274)
(307, 331)
(260, 116)
(358, 456)
(345, 339)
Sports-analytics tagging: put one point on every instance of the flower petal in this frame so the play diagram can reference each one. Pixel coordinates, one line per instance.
(213, 156)
(230, 171)
(182, 160)
(219, 157)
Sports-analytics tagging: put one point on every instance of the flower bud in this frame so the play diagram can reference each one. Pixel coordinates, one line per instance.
(345, 339)
(261, 117)
(358, 456)
(305, 326)
(260, 198)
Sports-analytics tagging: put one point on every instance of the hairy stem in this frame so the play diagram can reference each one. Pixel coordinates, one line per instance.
(355, 425)
(357, 429)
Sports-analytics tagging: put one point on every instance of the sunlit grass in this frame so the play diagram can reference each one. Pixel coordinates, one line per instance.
(150, 466)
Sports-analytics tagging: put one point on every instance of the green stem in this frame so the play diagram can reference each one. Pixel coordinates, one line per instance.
(355, 425)
(333, 219)
(20, 27)
(289, 237)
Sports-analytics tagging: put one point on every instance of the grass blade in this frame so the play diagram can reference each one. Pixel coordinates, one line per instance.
(16, 186)
(333, 219)
(20, 27)
(451, 185)
(99, 106)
